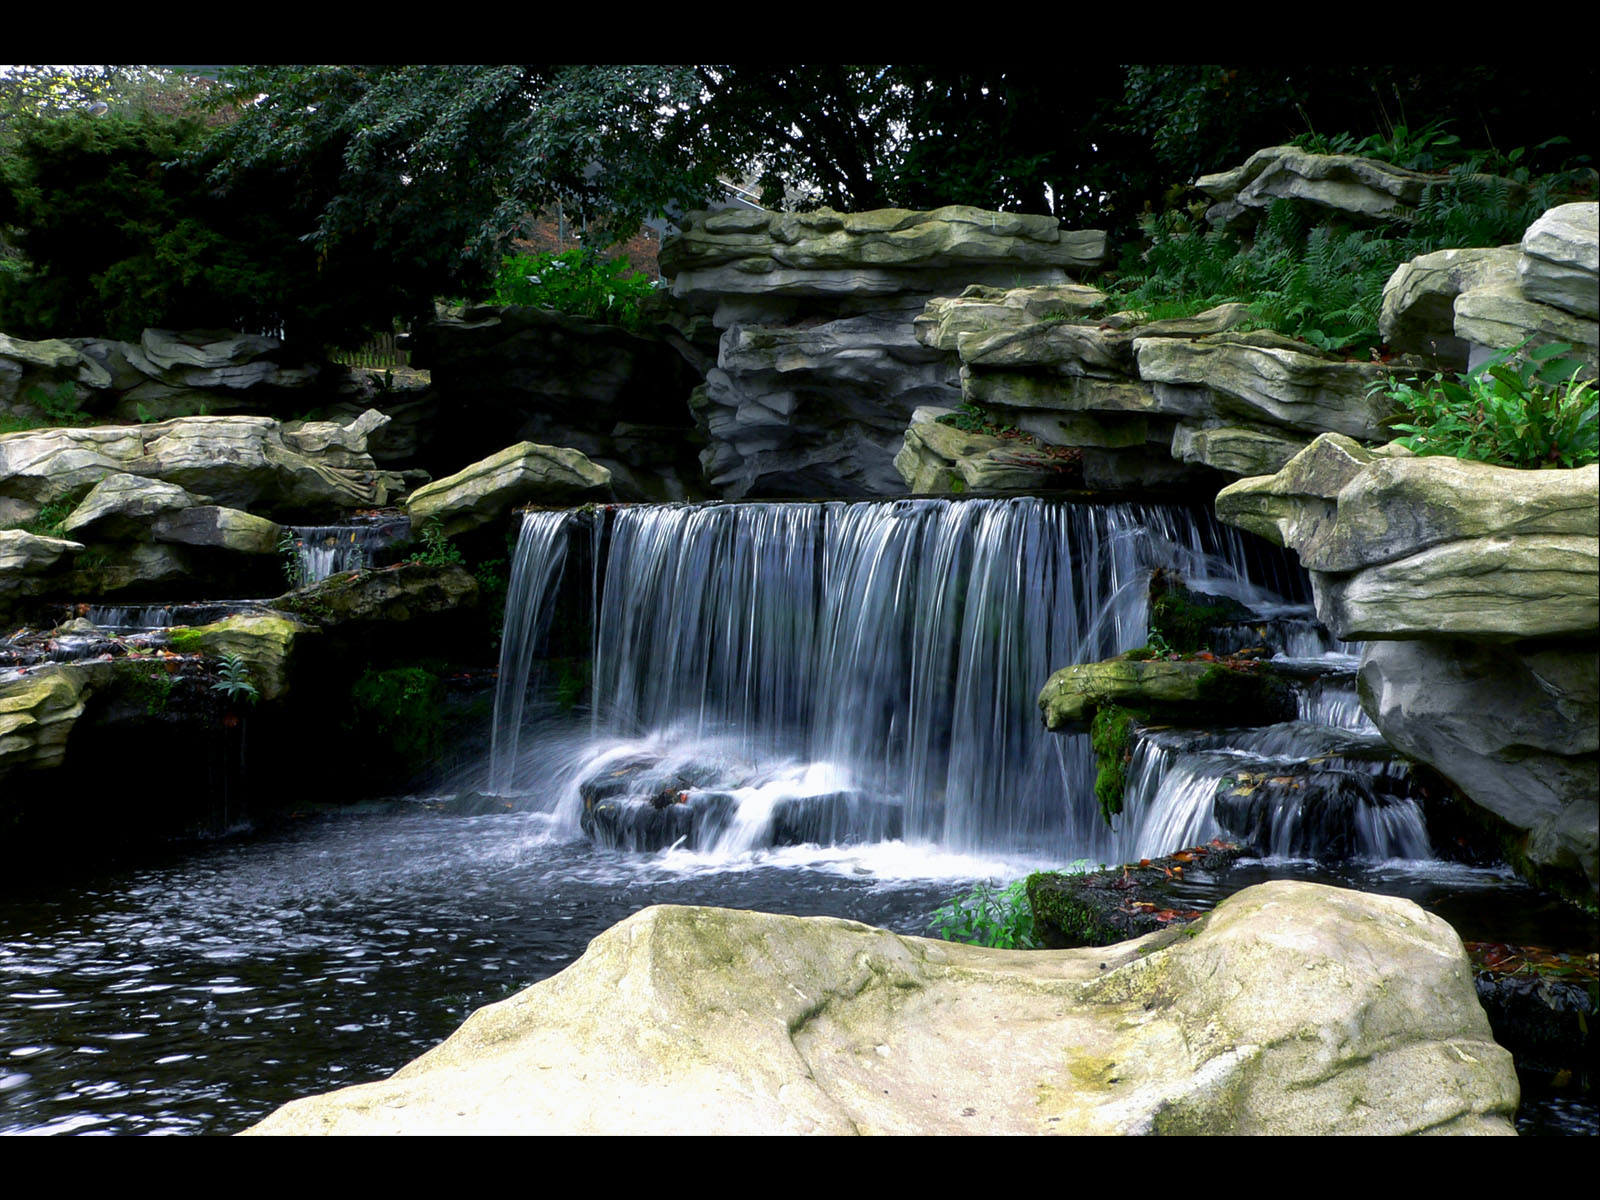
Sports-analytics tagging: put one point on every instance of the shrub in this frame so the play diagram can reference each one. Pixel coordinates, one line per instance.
(578, 282)
(988, 915)
(1538, 414)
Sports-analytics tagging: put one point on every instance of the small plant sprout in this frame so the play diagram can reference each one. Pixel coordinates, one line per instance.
(234, 680)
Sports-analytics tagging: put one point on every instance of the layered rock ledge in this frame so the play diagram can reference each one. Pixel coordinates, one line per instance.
(1479, 589)
(1292, 1008)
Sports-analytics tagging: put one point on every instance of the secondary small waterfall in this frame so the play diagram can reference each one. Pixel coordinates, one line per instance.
(866, 656)
(323, 551)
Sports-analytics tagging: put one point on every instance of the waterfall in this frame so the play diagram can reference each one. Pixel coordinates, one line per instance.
(536, 574)
(323, 551)
(879, 660)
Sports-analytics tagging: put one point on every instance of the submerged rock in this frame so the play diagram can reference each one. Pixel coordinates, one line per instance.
(1292, 1008)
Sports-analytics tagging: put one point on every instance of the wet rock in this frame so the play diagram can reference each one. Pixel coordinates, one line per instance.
(1210, 691)
(1292, 1008)
(373, 596)
(1102, 908)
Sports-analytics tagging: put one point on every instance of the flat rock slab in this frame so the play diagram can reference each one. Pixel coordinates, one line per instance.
(1292, 1008)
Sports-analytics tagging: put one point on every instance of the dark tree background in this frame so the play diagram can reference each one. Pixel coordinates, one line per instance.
(334, 200)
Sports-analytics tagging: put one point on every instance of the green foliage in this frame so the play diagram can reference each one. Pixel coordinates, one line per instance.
(116, 229)
(1539, 414)
(988, 915)
(1312, 276)
(1417, 150)
(48, 522)
(578, 282)
(398, 710)
(234, 680)
(1111, 736)
(294, 567)
(409, 180)
(437, 550)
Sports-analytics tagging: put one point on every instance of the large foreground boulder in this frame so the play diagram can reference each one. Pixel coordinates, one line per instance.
(1292, 1008)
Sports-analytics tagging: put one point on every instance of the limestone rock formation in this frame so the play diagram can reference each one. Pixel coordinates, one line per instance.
(1418, 313)
(1516, 728)
(820, 364)
(1560, 262)
(165, 374)
(266, 642)
(489, 489)
(400, 593)
(1292, 1008)
(37, 713)
(1432, 546)
(1344, 183)
(254, 463)
(1490, 580)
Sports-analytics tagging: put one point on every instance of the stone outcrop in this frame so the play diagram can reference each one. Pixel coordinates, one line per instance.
(400, 593)
(1292, 1008)
(165, 374)
(1418, 312)
(265, 641)
(37, 713)
(1560, 263)
(1480, 587)
(1516, 728)
(245, 462)
(1458, 307)
(1145, 403)
(820, 365)
(520, 474)
(1343, 183)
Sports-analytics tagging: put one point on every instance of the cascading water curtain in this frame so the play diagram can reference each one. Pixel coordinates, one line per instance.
(903, 642)
(536, 573)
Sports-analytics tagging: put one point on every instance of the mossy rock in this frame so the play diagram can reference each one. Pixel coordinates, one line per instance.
(1101, 908)
(1187, 620)
(1207, 689)
(264, 641)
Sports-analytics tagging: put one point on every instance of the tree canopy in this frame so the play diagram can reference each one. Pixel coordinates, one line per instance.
(340, 197)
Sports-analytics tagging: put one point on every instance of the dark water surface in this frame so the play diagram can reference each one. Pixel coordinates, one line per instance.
(197, 994)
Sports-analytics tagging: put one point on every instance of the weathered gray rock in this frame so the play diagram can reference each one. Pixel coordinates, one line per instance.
(1269, 378)
(928, 458)
(882, 251)
(1492, 587)
(243, 462)
(1344, 183)
(1237, 449)
(123, 505)
(982, 309)
(400, 593)
(224, 528)
(1418, 313)
(1516, 728)
(1500, 316)
(1560, 262)
(28, 553)
(1432, 546)
(1293, 1008)
(216, 359)
(489, 489)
